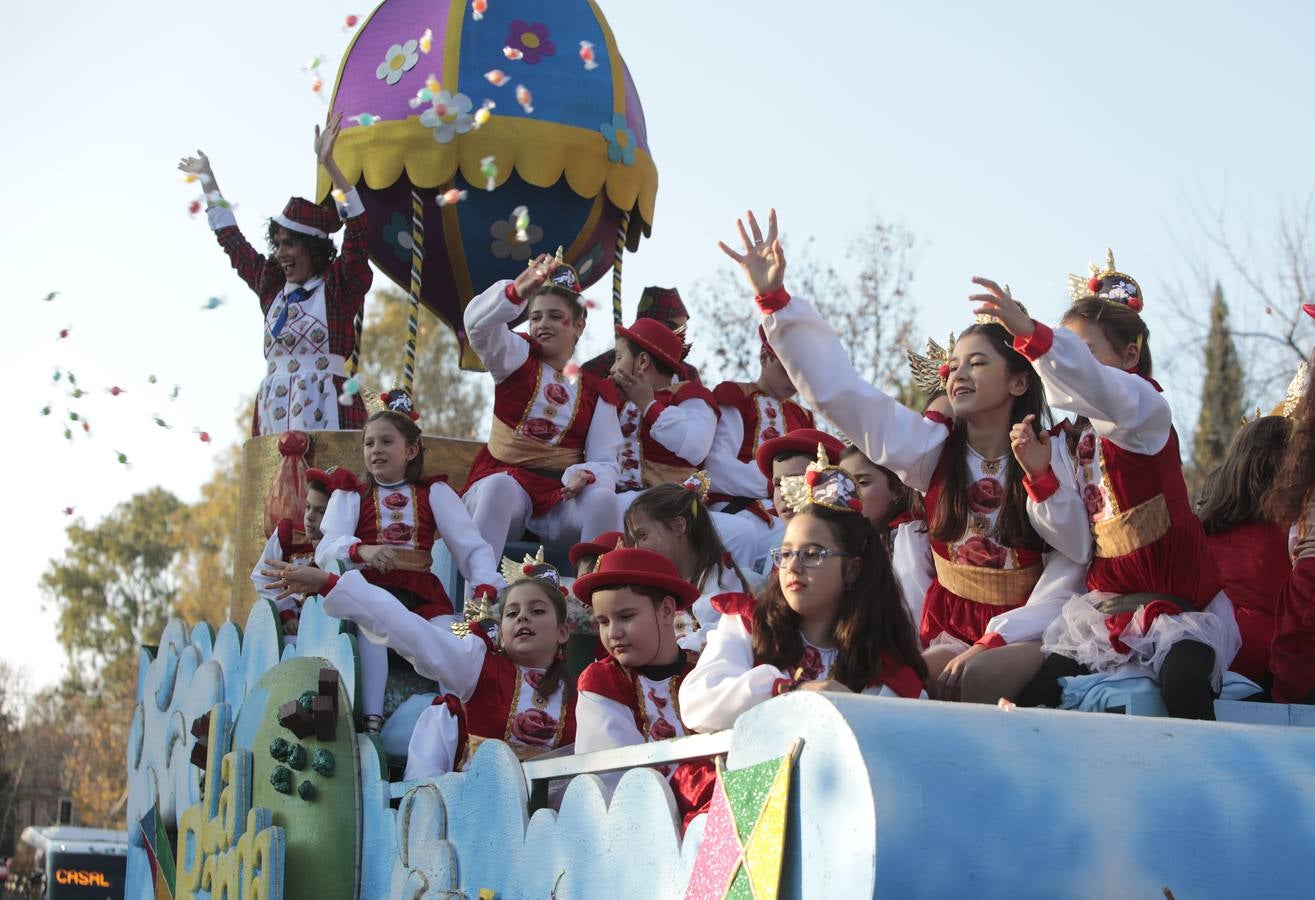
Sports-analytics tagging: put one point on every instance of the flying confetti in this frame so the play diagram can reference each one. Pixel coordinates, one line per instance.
(350, 22)
(161, 422)
(51, 296)
(194, 207)
(68, 510)
(63, 333)
(316, 85)
(114, 391)
(213, 303)
(203, 435)
(122, 457)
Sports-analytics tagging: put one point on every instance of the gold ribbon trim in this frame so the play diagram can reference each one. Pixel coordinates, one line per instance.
(992, 587)
(1132, 529)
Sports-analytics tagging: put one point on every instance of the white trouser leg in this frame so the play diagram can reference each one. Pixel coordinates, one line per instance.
(583, 517)
(374, 675)
(500, 508)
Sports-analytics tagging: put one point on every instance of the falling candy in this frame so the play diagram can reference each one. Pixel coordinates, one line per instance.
(63, 333)
(51, 296)
(497, 77)
(350, 22)
(190, 179)
(366, 119)
(72, 417)
(194, 207)
(1006, 704)
(76, 394)
(587, 55)
(512, 53)
(203, 435)
(68, 510)
(590, 304)
(72, 379)
(427, 41)
(151, 379)
(314, 63)
(173, 395)
(122, 457)
(478, 8)
(483, 114)
(58, 375)
(450, 196)
(212, 303)
(489, 169)
(161, 422)
(525, 98)
(45, 410)
(86, 426)
(522, 214)
(316, 85)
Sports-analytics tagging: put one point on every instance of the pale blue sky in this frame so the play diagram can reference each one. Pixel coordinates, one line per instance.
(1018, 140)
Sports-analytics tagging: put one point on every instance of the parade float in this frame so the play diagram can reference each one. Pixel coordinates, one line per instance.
(482, 134)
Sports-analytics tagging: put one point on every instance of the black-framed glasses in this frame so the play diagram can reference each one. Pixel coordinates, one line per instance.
(811, 555)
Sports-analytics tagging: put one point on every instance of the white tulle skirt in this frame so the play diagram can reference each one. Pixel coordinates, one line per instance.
(1079, 633)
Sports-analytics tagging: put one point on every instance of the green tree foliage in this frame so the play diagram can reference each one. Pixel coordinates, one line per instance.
(451, 403)
(1221, 393)
(115, 586)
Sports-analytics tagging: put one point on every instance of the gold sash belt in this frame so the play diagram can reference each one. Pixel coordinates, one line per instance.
(993, 587)
(1133, 528)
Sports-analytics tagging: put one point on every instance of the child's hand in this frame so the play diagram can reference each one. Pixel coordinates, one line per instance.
(1004, 307)
(827, 685)
(763, 261)
(949, 683)
(1032, 450)
(199, 166)
(324, 140)
(579, 481)
(292, 580)
(636, 390)
(535, 274)
(377, 556)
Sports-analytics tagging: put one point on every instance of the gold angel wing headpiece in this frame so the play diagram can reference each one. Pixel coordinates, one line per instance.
(1108, 284)
(822, 484)
(928, 371)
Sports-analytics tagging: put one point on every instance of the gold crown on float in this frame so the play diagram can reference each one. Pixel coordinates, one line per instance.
(533, 568)
(930, 371)
(822, 484)
(699, 484)
(1108, 284)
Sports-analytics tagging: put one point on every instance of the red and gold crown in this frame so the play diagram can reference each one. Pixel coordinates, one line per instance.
(822, 484)
(1108, 284)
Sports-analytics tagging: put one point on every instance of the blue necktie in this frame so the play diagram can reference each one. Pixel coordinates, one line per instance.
(297, 295)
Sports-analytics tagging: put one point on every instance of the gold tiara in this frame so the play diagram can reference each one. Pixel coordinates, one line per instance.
(1108, 284)
(927, 369)
(822, 484)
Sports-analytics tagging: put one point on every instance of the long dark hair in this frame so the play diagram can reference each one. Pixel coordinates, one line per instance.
(557, 672)
(872, 616)
(950, 519)
(1296, 475)
(1234, 491)
(321, 250)
(667, 502)
(410, 431)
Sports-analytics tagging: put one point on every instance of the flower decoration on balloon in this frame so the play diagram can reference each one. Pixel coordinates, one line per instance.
(397, 235)
(449, 116)
(399, 60)
(507, 242)
(620, 140)
(531, 39)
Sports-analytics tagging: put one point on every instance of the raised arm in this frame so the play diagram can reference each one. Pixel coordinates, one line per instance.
(1122, 406)
(350, 273)
(263, 275)
(889, 434)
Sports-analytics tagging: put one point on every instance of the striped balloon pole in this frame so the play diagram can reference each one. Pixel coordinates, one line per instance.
(617, 259)
(354, 363)
(417, 264)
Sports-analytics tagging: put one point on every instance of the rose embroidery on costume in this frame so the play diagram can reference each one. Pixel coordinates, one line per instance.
(770, 434)
(661, 729)
(541, 429)
(1094, 499)
(1087, 447)
(658, 701)
(534, 726)
(630, 464)
(985, 495)
(628, 429)
(533, 679)
(396, 501)
(811, 663)
(397, 533)
(981, 551)
(556, 394)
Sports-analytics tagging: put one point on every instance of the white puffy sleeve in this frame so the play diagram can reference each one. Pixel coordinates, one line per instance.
(725, 470)
(686, 429)
(1122, 406)
(887, 432)
(1057, 510)
(487, 318)
(602, 448)
(339, 529)
(262, 583)
(725, 682)
(430, 647)
(601, 723)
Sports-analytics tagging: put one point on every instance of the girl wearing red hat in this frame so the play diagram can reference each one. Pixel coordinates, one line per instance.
(550, 463)
(291, 544)
(310, 296)
(517, 690)
(833, 619)
(1156, 597)
(387, 526)
(1008, 549)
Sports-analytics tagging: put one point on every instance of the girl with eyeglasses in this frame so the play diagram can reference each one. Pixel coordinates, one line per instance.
(832, 620)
